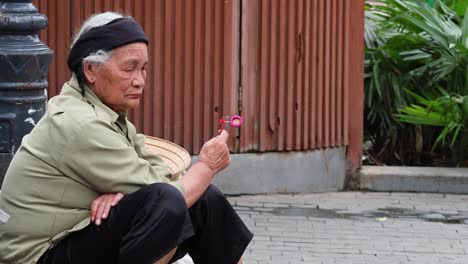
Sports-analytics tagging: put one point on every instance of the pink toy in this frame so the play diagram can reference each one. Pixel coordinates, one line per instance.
(233, 121)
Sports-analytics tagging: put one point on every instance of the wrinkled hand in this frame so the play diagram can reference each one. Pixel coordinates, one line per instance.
(101, 206)
(215, 152)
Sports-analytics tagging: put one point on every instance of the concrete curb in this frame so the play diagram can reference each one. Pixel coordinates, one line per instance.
(414, 179)
(284, 172)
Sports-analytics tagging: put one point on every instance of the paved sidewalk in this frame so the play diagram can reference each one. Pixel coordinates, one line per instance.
(356, 227)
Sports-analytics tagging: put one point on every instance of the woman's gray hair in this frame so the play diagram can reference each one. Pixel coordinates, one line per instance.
(100, 56)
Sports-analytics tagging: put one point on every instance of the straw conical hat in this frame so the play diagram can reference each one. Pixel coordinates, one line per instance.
(175, 157)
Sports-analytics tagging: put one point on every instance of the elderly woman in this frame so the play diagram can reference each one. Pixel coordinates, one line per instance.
(83, 188)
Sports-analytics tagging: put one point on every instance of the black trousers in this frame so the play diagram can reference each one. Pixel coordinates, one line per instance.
(147, 224)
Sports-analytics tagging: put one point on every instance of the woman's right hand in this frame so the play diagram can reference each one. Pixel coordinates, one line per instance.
(101, 206)
(215, 152)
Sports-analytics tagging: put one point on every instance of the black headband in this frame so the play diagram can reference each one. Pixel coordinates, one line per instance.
(118, 32)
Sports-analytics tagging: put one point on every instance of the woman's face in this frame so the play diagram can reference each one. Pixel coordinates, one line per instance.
(119, 83)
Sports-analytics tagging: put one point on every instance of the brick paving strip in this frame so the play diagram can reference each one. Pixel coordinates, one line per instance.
(356, 227)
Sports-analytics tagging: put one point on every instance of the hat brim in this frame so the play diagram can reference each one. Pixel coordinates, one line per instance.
(176, 158)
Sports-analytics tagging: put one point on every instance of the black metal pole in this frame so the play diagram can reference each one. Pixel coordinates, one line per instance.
(24, 63)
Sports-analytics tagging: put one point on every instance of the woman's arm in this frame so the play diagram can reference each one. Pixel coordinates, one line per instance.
(103, 160)
(214, 157)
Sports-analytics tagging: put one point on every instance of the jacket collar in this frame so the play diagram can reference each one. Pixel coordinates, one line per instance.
(71, 88)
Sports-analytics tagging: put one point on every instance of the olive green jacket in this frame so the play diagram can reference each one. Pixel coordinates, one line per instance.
(78, 150)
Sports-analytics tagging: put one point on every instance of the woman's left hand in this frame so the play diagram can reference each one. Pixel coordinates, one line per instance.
(101, 206)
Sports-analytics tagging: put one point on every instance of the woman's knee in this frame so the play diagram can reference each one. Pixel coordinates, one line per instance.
(165, 196)
(212, 196)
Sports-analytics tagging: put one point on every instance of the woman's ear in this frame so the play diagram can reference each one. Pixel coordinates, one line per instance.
(89, 71)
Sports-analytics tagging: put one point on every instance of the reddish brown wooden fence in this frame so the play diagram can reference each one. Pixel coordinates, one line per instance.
(292, 68)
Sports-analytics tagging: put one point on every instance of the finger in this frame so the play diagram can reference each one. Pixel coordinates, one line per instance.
(100, 210)
(223, 136)
(94, 207)
(107, 208)
(117, 199)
